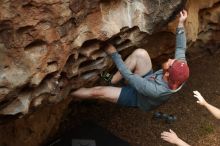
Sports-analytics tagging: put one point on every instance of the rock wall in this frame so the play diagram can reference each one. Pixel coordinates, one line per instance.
(50, 48)
(204, 26)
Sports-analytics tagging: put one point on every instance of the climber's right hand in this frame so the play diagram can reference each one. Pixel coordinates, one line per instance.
(109, 48)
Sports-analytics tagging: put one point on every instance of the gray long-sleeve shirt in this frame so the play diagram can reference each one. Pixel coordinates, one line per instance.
(152, 89)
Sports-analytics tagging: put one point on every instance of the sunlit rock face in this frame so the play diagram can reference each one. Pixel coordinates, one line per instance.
(50, 48)
(203, 27)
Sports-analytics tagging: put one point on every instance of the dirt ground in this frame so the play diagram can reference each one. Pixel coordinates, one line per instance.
(194, 123)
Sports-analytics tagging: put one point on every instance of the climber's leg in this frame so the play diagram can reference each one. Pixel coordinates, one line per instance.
(107, 93)
(138, 62)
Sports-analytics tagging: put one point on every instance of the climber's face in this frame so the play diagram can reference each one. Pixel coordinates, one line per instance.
(166, 65)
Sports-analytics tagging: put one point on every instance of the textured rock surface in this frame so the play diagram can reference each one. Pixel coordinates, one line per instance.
(203, 27)
(49, 48)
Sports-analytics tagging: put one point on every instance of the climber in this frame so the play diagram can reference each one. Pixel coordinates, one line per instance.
(145, 89)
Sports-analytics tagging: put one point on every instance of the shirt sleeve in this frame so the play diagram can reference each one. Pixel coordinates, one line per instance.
(141, 84)
(180, 44)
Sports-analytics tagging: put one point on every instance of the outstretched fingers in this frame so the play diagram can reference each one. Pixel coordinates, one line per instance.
(181, 14)
(165, 134)
(200, 98)
(171, 131)
(184, 12)
(196, 94)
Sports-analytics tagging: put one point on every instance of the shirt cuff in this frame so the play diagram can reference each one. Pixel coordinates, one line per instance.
(180, 30)
(113, 55)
